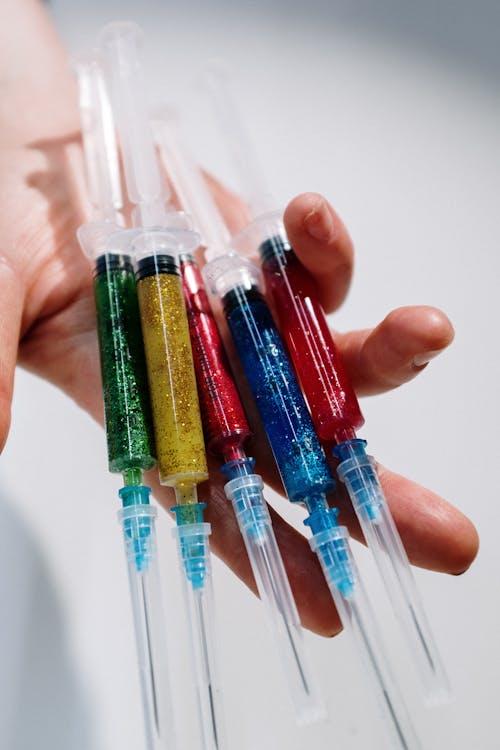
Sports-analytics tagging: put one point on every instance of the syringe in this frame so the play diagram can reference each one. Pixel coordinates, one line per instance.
(299, 456)
(333, 404)
(227, 429)
(156, 245)
(126, 399)
(226, 432)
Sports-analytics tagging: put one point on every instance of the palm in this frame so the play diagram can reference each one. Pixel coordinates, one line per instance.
(57, 330)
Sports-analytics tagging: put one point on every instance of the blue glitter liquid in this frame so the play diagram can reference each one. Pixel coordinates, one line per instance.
(300, 458)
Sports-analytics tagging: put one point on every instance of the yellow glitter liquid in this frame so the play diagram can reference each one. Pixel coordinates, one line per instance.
(172, 384)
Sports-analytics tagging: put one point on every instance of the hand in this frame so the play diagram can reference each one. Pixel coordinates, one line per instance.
(47, 316)
(435, 534)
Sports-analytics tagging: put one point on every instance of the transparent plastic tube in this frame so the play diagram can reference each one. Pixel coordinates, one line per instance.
(140, 545)
(332, 548)
(254, 521)
(192, 541)
(360, 477)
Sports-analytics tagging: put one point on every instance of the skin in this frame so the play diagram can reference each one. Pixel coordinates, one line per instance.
(47, 320)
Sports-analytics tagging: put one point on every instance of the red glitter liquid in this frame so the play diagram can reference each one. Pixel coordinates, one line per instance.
(224, 421)
(334, 406)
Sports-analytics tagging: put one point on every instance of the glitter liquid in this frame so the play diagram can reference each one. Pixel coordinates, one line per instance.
(224, 420)
(126, 400)
(324, 380)
(172, 384)
(298, 453)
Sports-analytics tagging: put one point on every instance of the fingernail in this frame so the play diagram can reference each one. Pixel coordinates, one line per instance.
(419, 360)
(319, 221)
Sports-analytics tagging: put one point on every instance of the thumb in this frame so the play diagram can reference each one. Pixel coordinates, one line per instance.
(11, 307)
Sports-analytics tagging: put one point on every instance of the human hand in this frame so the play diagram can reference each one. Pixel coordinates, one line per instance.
(47, 311)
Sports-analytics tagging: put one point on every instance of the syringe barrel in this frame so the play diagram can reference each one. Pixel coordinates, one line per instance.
(172, 382)
(129, 430)
(224, 419)
(326, 385)
(300, 458)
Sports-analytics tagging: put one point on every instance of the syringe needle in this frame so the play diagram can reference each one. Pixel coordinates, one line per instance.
(245, 493)
(206, 662)
(192, 542)
(267, 571)
(376, 671)
(356, 615)
(140, 546)
(151, 664)
(358, 472)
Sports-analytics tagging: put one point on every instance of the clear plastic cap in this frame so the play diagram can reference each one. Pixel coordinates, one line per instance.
(333, 550)
(382, 537)
(159, 241)
(230, 271)
(247, 241)
(194, 558)
(254, 521)
(142, 561)
(96, 238)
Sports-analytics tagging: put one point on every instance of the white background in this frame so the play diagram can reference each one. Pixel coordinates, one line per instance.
(395, 116)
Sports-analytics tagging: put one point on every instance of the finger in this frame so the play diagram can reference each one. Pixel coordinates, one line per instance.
(322, 243)
(396, 350)
(436, 535)
(11, 307)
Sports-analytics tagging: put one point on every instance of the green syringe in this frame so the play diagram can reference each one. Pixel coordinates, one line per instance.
(126, 399)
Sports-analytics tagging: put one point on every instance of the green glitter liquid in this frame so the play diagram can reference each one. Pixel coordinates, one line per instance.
(124, 381)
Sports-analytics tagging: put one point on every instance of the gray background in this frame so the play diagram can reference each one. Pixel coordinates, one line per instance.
(392, 110)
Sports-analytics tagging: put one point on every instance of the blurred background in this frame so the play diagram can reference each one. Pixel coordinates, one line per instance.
(393, 111)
